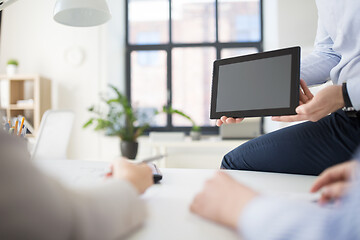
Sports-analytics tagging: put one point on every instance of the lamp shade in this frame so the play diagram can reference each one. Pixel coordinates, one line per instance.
(5, 3)
(81, 13)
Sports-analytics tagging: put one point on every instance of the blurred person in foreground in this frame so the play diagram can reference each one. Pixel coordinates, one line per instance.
(254, 216)
(35, 206)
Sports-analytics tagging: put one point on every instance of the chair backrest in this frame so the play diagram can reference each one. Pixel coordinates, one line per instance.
(53, 136)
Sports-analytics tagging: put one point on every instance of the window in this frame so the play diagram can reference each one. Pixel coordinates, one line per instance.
(171, 47)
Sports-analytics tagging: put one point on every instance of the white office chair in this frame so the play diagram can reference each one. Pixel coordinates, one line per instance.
(53, 136)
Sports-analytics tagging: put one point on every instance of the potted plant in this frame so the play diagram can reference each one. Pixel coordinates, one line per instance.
(195, 132)
(119, 120)
(11, 67)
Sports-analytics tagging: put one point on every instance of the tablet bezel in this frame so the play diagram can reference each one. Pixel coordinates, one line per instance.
(294, 89)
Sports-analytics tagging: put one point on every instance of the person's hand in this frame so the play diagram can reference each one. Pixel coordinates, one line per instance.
(334, 181)
(140, 176)
(222, 200)
(313, 108)
(227, 120)
(305, 94)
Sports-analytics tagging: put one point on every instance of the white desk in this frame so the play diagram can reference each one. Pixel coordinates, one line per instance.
(206, 153)
(168, 202)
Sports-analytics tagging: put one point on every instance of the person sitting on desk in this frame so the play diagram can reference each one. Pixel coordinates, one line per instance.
(323, 141)
(259, 217)
(34, 206)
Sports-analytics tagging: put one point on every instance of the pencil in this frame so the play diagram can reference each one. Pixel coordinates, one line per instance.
(151, 159)
(21, 126)
(16, 126)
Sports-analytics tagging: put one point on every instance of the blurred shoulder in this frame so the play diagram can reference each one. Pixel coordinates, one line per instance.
(12, 147)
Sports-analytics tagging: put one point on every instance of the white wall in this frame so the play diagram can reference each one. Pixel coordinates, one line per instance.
(30, 35)
(289, 23)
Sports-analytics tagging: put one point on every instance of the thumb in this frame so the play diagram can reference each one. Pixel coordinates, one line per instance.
(306, 108)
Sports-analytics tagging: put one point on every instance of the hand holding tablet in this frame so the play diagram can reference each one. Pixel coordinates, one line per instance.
(305, 97)
(228, 120)
(264, 84)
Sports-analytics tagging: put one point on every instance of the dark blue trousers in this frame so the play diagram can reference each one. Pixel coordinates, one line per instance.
(307, 148)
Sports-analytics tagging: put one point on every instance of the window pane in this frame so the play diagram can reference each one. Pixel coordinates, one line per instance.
(148, 85)
(191, 84)
(235, 52)
(193, 21)
(239, 21)
(148, 21)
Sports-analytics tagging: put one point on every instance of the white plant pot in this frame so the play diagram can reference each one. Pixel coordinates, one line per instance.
(11, 69)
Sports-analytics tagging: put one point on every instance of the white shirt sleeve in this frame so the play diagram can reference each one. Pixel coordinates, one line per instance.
(350, 39)
(274, 218)
(353, 88)
(316, 67)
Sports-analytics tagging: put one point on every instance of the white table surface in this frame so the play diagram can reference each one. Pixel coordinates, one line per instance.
(168, 202)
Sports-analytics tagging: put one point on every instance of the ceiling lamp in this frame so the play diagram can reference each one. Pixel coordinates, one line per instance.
(5, 3)
(81, 13)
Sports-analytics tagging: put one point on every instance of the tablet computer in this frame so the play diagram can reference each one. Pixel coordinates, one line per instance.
(263, 84)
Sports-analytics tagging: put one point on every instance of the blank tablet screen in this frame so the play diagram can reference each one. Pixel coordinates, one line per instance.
(256, 86)
(268, 78)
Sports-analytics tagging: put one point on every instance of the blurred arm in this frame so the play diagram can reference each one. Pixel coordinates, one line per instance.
(276, 218)
(34, 206)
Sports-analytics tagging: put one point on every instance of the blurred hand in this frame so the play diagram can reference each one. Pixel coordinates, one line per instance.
(313, 108)
(334, 181)
(140, 176)
(222, 200)
(227, 120)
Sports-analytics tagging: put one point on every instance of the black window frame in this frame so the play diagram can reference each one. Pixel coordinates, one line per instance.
(168, 47)
(0, 21)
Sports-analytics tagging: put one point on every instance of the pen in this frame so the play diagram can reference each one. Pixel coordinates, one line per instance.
(146, 160)
(24, 132)
(21, 126)
(151, 159)
(16, 127)
(7, 127)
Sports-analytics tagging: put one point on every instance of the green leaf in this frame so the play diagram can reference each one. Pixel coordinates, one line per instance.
(140, 130)
(196, 128)
(13, 62)
(170, 110)
(114, 100)
(118, 110)
(102, 124)
(88, 123)
(91, 108)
